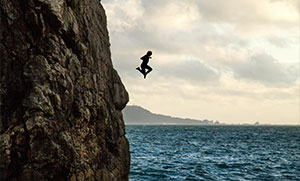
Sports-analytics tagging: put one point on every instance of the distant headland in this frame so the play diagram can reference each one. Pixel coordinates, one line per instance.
(136, 115)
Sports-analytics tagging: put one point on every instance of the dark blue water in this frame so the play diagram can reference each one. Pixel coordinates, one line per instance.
(214, 152)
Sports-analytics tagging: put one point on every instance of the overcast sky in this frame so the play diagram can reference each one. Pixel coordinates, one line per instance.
(233, 61)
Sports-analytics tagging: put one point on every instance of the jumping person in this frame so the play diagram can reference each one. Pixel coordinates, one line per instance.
(144, 66)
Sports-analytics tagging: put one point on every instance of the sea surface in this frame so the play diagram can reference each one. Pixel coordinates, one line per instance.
(214, 152)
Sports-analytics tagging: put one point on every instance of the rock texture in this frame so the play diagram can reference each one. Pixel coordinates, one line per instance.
(61, 99)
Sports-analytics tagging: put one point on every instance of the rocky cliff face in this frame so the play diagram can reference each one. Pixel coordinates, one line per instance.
(61, 99)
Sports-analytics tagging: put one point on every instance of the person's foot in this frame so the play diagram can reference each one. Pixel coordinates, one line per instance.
(145, 76)
(138, 68)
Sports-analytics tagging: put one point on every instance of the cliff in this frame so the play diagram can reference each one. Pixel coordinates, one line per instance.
(61, 99)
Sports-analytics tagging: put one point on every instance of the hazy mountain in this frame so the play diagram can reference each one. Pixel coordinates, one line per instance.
(139, 115)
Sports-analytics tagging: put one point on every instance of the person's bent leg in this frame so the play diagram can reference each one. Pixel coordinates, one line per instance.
(149, 69)
(143, 71)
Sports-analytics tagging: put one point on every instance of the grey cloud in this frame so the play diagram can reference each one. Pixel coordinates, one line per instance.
(175, 42)
(265, 69)
(126, 63)
(283, 42)
(279, 42)
(193, 71)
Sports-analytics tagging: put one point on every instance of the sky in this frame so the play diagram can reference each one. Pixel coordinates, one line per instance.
(233, 61)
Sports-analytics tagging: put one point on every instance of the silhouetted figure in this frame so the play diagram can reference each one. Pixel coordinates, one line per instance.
(144, 66)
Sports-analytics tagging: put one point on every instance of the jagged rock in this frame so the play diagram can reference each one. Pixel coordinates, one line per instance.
(61, 99)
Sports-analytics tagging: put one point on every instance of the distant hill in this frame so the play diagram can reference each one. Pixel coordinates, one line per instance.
(136, 115)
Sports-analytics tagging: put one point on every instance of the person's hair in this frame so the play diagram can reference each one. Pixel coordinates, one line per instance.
(149, 53)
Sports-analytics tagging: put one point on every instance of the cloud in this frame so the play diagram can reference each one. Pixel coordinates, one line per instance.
(264, 69)
(249, 13)
(205, 30)
(172, 15)
(293, 4)
(123, 15)
(192, 70)
(279, 42)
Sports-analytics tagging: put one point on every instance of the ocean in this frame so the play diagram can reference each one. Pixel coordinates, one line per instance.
(214, 152)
